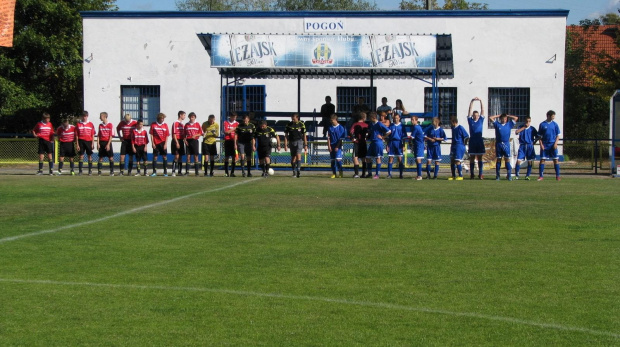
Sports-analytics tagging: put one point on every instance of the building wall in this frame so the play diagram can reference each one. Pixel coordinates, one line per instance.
(489, 51)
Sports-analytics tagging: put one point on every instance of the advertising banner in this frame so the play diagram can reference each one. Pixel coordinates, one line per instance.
(324, 51)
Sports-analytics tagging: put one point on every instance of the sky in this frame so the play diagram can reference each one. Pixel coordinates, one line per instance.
(579, 9)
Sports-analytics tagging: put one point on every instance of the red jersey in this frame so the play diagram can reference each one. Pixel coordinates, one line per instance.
(139, 137)
(124, 129)
(359, 131)
(85, 131)
(160, 132)
(230, 126)
(178, 130)
(193, 129)
(44, 131)
(66, 135)
(106, 132)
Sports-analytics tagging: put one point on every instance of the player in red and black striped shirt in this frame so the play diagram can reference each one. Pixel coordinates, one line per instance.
(124, 129)
(177, 143)
(139, 140)
(66, 139)
(193, 131)
(159, 136)
(85, 141)
(104, 143)
(45, 132)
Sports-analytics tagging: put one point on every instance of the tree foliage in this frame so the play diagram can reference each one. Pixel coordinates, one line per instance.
(447, 5)
(586, 106)
(275, 5)
(43, 69)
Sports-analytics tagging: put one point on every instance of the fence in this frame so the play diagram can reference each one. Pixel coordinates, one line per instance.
(591, 156)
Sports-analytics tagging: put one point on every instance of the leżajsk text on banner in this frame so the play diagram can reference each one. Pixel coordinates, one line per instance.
(7, 19)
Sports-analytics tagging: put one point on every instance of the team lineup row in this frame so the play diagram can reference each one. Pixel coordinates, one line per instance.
(241, 140)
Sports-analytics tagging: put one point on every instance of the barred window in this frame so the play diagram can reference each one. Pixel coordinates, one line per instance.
(244, 98)
(347, 97)
(447, 103)
(512, 101)
(141, 102)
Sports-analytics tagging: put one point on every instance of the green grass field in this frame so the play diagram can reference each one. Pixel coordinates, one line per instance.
(310, 261)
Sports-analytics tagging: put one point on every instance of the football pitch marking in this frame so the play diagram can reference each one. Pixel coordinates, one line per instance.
(382, 305)
(120, 214)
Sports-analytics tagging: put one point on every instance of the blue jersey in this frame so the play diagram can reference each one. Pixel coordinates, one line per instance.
(548, 131)
(459, 134)
(436, 134)
(502, 131)
(475, 128)
(418, 136)
(375, 130)
(336, 134)
(528, 136)
(398, 132)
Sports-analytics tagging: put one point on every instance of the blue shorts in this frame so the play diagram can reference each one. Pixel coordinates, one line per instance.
(395, 149)
(476, 146)
(526, 151)
(502, 150)
(336, 154)
(549, 153)
(457, 152)
(375, 150)
(433, 153)
(418, 151)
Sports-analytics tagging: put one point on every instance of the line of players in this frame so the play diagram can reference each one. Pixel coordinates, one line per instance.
(368, 139)
(244, 139)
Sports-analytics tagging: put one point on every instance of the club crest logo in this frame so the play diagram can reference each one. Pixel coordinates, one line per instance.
(322, 55)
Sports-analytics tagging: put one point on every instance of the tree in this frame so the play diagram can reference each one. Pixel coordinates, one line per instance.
(275, 5)
(448, 5)
(223, 5)
(43, 69)
(325, 5)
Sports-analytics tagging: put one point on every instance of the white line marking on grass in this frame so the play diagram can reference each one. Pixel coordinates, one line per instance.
(517, 321)
(120, 214)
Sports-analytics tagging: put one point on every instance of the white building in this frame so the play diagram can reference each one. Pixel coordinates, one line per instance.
(146, 62)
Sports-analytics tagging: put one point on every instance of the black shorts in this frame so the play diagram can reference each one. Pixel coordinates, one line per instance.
(126, 147)
(140, 153)
(229, 148)
(66, 149)
(264, 152)
(85, 146)
(245, 148)
(297, 147)
(106, 153)
(192, 147)
(160, 150)
(46, 147)
(209, 149)
(180, 150)
(360, 149)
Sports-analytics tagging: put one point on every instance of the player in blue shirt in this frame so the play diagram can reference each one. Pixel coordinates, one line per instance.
(434, 136)
(527, 136)
(549, 133)
(457, 148)
(398, 134)
(335, 134)
(376, 133)
(503, 129)
(417, 148)
(476, 123)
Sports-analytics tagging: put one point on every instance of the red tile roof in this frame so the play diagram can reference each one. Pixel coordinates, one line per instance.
(600, 45)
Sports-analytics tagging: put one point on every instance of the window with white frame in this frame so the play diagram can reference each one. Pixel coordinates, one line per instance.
(447, 103)
(512, 101)
(141, 102)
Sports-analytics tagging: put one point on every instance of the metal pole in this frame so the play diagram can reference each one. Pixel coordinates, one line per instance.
(298, 93)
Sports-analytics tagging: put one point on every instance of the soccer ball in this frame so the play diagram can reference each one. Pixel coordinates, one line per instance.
(273, 142)
(270, 172)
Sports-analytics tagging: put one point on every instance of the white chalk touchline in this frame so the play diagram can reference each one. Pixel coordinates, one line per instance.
(329, 300)
(120, 214)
